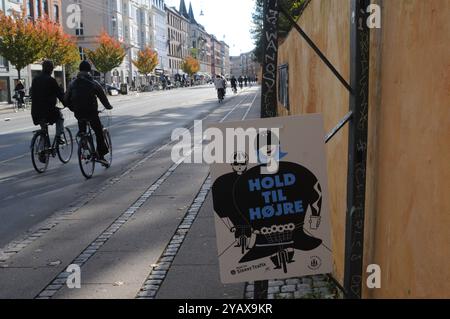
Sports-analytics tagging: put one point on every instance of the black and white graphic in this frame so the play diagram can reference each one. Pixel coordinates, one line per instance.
(279, 221)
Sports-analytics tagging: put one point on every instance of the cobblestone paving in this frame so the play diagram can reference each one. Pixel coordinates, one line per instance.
(311, 287)
(160, 270)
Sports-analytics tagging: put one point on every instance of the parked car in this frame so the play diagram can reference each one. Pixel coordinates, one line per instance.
(113, 91)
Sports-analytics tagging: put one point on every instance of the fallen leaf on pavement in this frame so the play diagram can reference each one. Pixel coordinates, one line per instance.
(55, 263)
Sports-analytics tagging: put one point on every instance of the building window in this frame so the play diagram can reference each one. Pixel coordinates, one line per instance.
(283, 85)
(56, 12)
(38, 8)
(30, 11)
(82, 54)
(80, 31)
(3, 63)
(45, 6)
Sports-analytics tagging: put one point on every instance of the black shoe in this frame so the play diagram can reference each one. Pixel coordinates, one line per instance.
(101, 160)
(60, 140)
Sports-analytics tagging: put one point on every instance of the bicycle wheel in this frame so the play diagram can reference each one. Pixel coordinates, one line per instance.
(16, 106)
(65, 151)
(86, 157)
(40, 156)
(109, 156)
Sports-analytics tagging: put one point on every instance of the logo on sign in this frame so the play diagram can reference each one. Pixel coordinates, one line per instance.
(315, 263)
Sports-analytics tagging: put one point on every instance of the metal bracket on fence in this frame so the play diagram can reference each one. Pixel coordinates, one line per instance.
(338, 127)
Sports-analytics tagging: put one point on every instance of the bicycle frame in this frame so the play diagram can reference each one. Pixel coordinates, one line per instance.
(52, 148)
(88, 134)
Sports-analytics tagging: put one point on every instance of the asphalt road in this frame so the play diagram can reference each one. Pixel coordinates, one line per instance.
(139, 125)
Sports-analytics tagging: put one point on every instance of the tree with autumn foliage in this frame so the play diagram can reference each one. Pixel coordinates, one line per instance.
(108, 55)
(190, 66)
(56, 45)
(146, 61)
(20, 41)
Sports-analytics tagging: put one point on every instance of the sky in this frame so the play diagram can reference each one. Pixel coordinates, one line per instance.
(228, 20)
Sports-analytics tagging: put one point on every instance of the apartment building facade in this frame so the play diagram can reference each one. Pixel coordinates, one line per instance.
(34, 9)
(244, 65)
(129, 21)
(235, 66)
(216, 60)
(225, 56)
(250, 68)
(178, 40)
(160, 31)
(201, 47)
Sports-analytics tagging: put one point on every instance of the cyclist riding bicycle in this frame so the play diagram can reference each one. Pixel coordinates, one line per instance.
(233, 84)
(81, 98)
(220, 85)
(241, 82)
(19, 91)
(44, 94)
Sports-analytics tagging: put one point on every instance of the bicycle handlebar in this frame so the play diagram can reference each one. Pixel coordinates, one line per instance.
(104, 110)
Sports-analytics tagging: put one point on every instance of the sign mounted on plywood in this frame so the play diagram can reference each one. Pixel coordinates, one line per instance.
(271, 209)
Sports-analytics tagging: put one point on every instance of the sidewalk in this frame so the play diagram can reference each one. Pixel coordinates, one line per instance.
(6, 108)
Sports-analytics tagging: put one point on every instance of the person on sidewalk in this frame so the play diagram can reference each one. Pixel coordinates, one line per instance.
(44, 94)
(81, 99)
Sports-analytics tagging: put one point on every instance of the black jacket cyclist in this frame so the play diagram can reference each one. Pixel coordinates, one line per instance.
(81, 98)
(44, 94)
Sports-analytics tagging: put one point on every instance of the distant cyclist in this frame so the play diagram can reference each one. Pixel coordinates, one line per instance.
(220, 86)
(19, 91)
(44, 94)
(241, 82)
(233, 84)
(82, 100)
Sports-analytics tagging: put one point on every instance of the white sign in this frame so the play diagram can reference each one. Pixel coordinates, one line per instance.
(274, 224)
